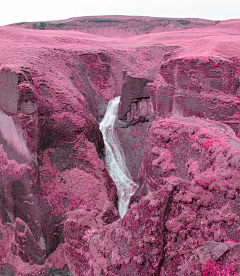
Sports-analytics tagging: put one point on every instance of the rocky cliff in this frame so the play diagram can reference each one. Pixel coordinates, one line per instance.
(178, 125)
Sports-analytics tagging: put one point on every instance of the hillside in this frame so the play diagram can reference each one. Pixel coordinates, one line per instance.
(119, 26)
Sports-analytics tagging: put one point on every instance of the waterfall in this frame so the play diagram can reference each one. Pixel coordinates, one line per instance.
(115, 161)
(13, 135)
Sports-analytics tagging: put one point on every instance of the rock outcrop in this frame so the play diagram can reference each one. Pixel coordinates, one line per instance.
(132, 245)
(206, 87)
(212, 259)
(199, 161)
(135, 99)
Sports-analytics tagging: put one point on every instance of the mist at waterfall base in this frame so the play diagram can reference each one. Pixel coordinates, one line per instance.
(114, 158)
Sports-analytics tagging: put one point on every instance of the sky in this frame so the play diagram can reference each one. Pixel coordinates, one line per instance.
(14, 11)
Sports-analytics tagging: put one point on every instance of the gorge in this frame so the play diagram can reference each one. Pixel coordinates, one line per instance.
(120, 147)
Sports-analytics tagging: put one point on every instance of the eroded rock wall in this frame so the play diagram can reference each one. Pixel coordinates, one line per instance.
(63, 166)
(205, 87)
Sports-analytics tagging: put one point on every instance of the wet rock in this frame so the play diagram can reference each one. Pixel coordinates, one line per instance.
(29, 248)
(133, 88)
(132, 140)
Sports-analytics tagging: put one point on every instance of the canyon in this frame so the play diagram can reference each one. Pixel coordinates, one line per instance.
(86, 100)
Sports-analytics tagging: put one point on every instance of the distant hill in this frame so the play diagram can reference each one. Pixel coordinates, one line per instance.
(123, 26)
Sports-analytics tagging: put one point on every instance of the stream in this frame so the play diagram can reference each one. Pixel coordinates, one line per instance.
(114, 158)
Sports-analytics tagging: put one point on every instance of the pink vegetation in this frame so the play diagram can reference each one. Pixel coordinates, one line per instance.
(179, 126)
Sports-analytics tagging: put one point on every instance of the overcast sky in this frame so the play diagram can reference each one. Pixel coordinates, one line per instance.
(13, 11)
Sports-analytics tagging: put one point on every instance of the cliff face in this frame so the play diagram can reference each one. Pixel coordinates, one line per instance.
(179, 127)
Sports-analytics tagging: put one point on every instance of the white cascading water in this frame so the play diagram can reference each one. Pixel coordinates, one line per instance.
(114, 159)
(13, 135)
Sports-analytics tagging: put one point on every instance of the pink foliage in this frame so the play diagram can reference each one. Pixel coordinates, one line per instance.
(212, 269)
